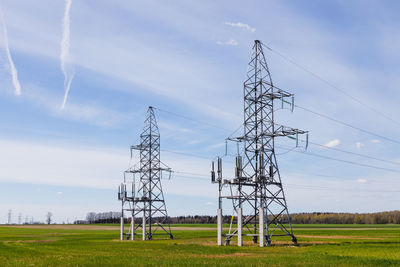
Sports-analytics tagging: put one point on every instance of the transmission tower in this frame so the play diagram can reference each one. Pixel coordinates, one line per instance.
(256, 192)
(148, 201)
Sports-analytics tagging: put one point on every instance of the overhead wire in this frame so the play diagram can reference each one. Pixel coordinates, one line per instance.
(348, 161)
(332, 85)
(308, 153)
(315, 155)
(300, 107)
(348, 125)
(301, 186)
(352, 153)
(192, 119)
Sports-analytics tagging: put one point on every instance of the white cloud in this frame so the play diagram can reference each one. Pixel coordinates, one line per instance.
(61, 165)
(359, 145)
(59, 193)
(241, 25)
(214, 146)
(84, 112)
(208, 203)
(13, 69)
(64, 55)
(375, 141)
(231, 42)
(333, 143)
(91, 167)
(361, 181)
(112, 58)
(174, 127)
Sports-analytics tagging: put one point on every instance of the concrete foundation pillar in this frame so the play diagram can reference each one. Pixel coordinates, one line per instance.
(122, 228)
(132, 228)
(219, 227)
(262, 226)
(144, 228)
(240, 227)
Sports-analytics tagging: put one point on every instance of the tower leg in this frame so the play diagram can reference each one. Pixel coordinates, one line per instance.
(219, 227)
(240, 227)
(261, 224)
(122, 228)
(132, 228)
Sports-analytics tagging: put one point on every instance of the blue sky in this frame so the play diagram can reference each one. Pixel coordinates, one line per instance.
(190, 58)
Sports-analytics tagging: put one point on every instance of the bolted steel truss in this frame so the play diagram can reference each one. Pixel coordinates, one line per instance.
(147, 201)
(256, 192)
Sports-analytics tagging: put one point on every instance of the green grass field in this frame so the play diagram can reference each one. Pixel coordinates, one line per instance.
(97, 245)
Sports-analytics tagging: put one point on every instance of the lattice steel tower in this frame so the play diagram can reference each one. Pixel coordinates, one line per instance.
(256, 192)
(148, 201)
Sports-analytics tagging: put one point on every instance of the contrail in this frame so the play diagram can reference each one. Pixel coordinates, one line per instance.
(14, 72)
(64, 56)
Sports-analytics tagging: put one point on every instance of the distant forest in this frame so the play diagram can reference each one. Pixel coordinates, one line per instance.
(392, 217)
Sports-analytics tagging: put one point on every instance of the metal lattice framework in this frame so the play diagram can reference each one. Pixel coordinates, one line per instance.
(148, 201)
(256, 192)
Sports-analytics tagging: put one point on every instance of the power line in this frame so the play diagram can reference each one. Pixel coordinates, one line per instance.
(310, 142)
(348, 124)
(302, 186)
(207, 176)
(305, 109)
(186, 154)
(333, 86)
(192, 119)
(353, 153)
(318, 188)
(349, 162)
(194, 155)
(202, 122)
(192, 174)
(312, 154)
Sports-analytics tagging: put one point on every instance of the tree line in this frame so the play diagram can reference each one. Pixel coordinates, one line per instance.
(386, 217)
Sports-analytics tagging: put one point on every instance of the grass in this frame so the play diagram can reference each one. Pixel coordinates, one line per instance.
(319, 245)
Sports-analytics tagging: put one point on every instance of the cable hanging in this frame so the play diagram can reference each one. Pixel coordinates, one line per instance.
(333, 86)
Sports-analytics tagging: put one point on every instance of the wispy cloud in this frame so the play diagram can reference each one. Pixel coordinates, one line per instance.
(241, 25)
(174, 128)
(359, 145)
(333, 143)
(230, 42)
(361, 181)
(215, 146)
(376, 141)
(13, 70)
(66, 66)
(92, 113)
